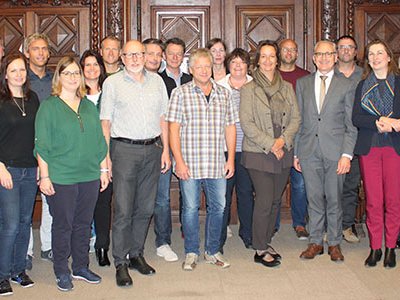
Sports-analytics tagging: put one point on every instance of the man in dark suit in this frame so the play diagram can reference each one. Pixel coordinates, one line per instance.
(324, 148)
(173, 77)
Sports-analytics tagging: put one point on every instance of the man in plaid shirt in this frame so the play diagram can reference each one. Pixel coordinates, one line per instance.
(202, 119)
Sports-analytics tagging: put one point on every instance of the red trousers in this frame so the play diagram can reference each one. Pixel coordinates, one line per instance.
(380, 170)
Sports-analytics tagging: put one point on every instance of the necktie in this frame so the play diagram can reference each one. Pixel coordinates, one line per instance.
(322, 91)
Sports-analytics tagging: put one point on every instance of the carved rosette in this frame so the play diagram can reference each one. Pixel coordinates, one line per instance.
(95, 21)
(329, 19)
(114, 24)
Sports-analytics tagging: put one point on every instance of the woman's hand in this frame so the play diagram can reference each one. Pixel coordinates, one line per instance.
(104, 181)
(383, 126)
(278, 145)
(279, 154)
(46, 186)
(5, 178)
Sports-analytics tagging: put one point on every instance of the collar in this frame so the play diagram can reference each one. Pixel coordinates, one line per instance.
(170, 74)
(329, 74)
(47, 74)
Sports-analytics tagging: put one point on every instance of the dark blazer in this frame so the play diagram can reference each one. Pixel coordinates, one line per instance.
(332, 128)
(365, 122)
(170, 83)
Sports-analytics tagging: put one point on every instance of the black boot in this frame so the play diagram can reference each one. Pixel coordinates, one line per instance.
(102, 257)
(373, 258)
(390, 258)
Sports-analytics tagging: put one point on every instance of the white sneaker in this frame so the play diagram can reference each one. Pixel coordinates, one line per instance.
(217, 259)
(190, 262)
(166, 252)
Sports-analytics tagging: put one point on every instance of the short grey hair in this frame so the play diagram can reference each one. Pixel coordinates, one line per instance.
(200, 52)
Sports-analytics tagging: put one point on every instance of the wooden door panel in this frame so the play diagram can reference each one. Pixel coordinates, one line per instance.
(191, 24)
(261, 23)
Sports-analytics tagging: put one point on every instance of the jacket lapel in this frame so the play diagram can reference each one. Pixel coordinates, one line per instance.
(260, 94)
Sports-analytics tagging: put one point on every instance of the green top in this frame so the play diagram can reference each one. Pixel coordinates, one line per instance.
(71, 143)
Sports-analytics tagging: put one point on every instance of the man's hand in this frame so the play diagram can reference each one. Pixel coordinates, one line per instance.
(165, 162)
(229, 169)
(343, 165)
(182, 171)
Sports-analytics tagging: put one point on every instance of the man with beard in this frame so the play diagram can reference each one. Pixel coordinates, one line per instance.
(346, 65)
(132, 114)
(291, 72)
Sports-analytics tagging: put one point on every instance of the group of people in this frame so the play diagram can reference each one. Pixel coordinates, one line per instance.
(97, 130)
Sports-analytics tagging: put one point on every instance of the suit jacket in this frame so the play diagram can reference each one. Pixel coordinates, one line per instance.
(332, 128)
(366, 122)
(170, 83)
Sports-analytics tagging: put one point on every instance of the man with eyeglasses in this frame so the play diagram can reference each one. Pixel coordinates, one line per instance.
(132, 112)
(172, 77)
(347, 67)
(291, 73)
(36, 50)
(324, 148)
(110, 51)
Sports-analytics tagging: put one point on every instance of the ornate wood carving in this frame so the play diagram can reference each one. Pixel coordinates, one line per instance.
(263, 22)
(377, 1)
(95, 21)
(191, 24)
(329, 20)
(114, 19)
(44, 3)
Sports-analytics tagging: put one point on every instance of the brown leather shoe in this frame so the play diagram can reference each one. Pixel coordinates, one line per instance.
(312, 251)
(335, 253)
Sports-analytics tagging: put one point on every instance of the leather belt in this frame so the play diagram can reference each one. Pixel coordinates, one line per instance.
(137, 142)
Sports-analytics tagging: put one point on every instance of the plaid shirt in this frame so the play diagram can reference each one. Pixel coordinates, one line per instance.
(202, 131)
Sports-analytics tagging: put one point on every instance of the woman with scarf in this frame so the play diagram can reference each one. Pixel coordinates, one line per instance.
(376, 113)
(269, 118)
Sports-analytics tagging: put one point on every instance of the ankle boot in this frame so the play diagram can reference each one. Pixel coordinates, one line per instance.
(373, 258)
(102, 257)
(390, 258)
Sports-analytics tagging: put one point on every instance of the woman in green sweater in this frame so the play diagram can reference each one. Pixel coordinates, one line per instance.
(71, 151)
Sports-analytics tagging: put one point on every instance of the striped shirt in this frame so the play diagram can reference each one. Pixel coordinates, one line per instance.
(236, 100)
(202, 131)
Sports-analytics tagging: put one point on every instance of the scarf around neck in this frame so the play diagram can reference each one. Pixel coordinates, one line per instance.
(270, 87)
(378, 101)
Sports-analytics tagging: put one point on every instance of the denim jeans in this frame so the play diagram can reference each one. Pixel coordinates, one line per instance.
(162, 211)
(241, 181)
(215, 196)
(299, 198)
(16, 206)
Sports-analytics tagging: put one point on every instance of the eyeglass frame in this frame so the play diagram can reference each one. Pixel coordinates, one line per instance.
(326, 54)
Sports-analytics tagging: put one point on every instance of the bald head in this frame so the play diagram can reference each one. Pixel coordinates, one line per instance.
(133, 56)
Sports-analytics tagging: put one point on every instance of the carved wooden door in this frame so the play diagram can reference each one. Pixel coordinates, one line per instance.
(68, 27)
(240, 23)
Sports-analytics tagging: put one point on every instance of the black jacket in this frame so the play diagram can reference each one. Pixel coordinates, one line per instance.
(170, 83)
(365, 122)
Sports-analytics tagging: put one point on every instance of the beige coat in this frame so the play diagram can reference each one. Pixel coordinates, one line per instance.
(256, 121)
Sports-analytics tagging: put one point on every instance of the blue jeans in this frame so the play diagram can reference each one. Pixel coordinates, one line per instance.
(162, 211)
(241, 181)
(215, 197)
(299, 198)
(16, 206)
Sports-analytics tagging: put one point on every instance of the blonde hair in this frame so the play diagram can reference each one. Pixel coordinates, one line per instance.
(200, 52)
(34, 37)
(61, 66)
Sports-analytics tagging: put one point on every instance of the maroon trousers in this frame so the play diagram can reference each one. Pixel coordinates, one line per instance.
(380, 170)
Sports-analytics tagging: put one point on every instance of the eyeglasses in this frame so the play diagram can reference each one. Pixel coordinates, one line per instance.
(287, 50)
(349, 47)
(71, 74)
(133, 54)
(326, 54)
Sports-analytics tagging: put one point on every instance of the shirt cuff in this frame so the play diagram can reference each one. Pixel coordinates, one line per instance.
(347, 155)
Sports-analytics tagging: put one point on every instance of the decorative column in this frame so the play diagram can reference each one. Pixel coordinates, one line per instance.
(329, 22)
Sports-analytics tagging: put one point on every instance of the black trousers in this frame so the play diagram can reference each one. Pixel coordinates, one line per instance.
(72, 208)
(102, 218)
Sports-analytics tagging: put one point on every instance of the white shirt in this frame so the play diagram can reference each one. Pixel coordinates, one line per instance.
(317, 84)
